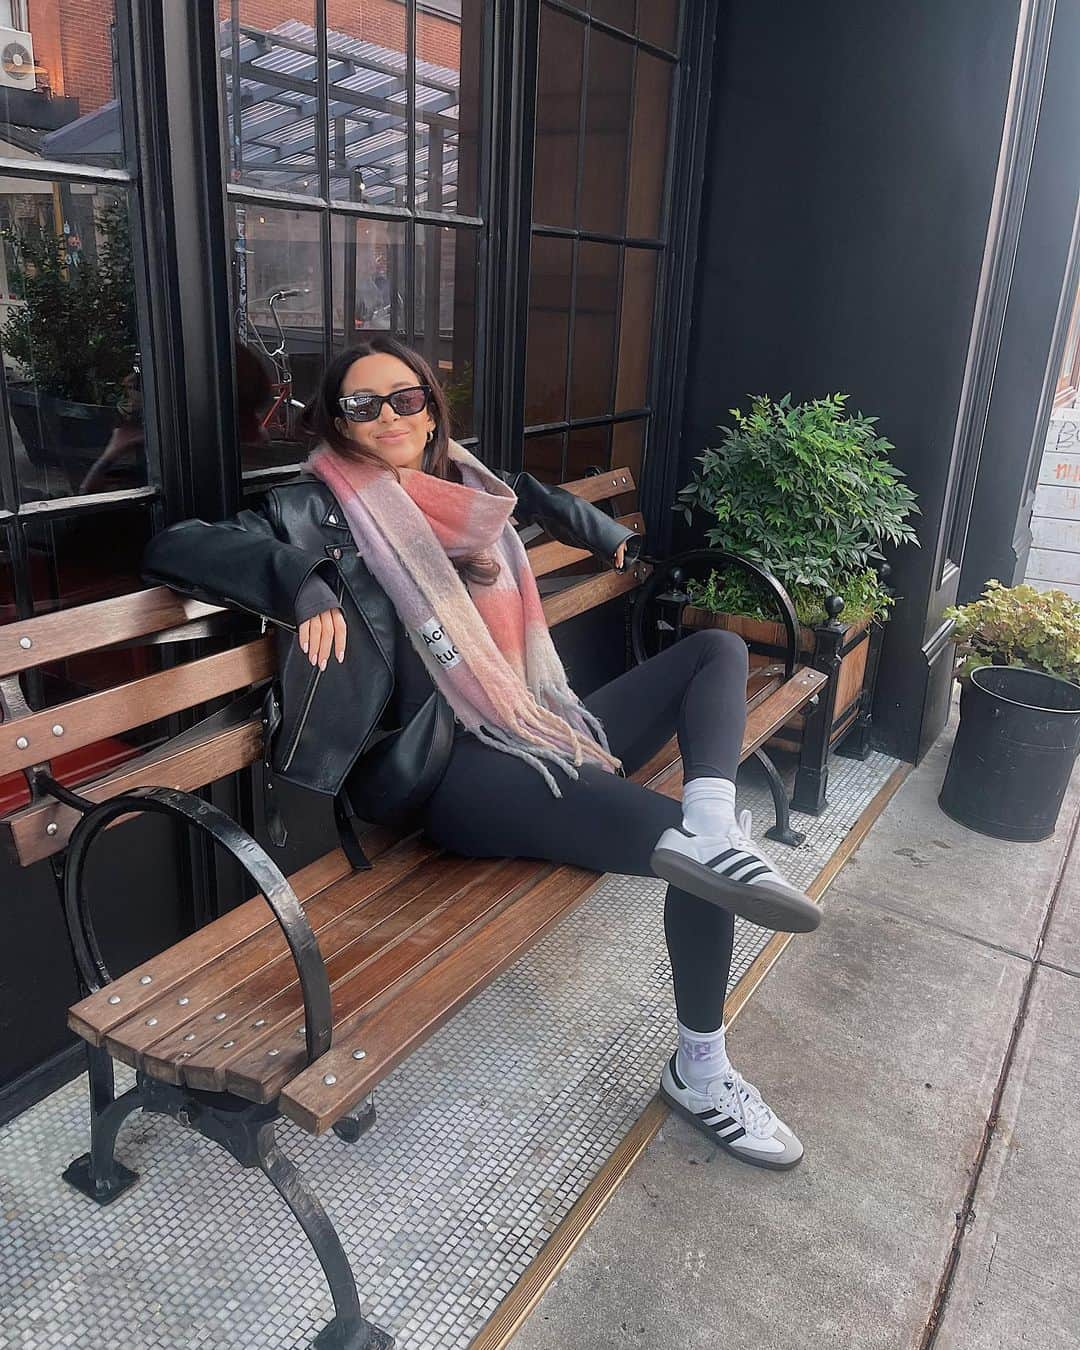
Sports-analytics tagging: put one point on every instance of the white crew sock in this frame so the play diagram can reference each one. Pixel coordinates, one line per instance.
(708, 806)
(701, 1056)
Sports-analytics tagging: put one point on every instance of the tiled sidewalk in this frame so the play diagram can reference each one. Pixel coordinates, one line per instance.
(485, 1138)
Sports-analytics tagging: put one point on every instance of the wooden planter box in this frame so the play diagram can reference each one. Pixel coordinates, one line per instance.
(768, 642)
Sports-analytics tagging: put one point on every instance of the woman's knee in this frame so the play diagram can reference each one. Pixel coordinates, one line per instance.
(717, 644)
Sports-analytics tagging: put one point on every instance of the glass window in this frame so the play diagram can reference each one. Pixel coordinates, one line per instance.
(86, 556)
(544, 457)
(369, 277)
(368, 92)
(658, 22)
(277, 295)
(636, 327)
(620, 13)
(558, 117)
(607, 123)
(448, 102)
(587, 448)
(69, 337)
(444, 330)
(648, 148)
(628, 447)
(595, 304)
(58, 94)
(549, 330)
(269, 59)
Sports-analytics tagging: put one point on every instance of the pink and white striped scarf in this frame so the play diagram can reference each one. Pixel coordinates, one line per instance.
(487, 647)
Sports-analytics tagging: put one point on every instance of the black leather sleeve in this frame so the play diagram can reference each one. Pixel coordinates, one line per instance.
(569, 519)
(241, 561)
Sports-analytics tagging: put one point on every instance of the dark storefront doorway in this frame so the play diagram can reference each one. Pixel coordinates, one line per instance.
(198, 208)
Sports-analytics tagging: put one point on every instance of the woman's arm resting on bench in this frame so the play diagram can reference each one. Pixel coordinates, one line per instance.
(569, 519)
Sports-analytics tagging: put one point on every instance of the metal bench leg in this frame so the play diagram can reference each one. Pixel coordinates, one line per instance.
(350, 1128)
(782, 830)
(97, 1173)
(348, 1330)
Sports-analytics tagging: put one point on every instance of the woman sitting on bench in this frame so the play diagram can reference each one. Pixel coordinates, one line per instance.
(489, 748)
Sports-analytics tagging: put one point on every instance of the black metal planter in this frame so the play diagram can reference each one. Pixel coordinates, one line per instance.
(1014, 752)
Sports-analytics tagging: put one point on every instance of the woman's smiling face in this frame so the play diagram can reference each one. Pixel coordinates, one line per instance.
(400, 440)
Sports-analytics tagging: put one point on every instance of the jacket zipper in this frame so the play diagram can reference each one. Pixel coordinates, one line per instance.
(303, 719)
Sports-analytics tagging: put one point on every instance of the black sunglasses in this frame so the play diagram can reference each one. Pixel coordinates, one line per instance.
(366, 407)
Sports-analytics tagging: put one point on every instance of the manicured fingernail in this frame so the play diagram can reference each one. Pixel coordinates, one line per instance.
(341, 657)
(322, 665)
(303, 646)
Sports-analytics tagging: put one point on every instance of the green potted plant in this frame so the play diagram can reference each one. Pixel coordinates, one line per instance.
(74, 338)
(1019, 669)
(808, 491)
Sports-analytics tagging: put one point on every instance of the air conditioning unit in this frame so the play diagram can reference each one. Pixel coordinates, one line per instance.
(17, 69)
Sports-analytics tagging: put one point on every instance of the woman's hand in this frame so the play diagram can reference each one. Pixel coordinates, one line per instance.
(620, 554)
(321, 634)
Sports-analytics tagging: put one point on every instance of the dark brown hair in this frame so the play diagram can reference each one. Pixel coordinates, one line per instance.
(319, 422)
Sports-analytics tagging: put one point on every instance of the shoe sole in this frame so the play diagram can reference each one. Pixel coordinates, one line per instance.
(762, 1161)
(762, 903)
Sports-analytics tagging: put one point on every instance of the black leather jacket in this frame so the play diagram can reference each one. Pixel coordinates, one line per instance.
(334, 725)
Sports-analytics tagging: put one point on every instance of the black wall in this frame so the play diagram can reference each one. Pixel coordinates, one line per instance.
(851, 169)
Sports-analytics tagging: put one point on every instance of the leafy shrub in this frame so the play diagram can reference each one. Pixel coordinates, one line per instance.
(1019, 626)
(730, 591)
(807, 491)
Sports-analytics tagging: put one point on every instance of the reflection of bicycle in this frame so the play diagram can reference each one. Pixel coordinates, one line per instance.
(279, 420)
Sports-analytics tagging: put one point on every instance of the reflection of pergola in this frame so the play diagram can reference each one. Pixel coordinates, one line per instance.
(273, 123)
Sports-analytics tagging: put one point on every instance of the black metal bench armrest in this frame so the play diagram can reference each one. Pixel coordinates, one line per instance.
(662, 575)
(267, 876)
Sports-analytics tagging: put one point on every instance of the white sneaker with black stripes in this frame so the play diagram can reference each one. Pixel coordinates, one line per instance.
(731, 1112)
(732, 872)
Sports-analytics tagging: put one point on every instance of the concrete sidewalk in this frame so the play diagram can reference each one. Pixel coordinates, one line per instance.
(924, 1045)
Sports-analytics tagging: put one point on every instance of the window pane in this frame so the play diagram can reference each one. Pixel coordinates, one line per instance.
(544, 456)
(594, 329)
(617, 12)
(607, 122)
(8, 607)
(369, 155)
(368, 258)
(628, 448)
(58, 99)
(549, 330)
(648, 151)
(270, 65)
(277, 294)
(448, 52)
(69, 336)
(636, 327)
(558, 109)
(87, 556)
(587, 448)
(445, 323)
(658, 22)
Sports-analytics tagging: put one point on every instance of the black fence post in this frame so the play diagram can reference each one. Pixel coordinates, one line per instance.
(812, 776)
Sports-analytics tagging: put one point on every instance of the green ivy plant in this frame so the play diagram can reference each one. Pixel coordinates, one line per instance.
(1019, 626)
(730, 591)
(75, 332)
(808, 491)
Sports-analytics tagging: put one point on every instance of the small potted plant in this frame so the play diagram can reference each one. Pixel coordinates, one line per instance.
(1019, 671)
(808, 491)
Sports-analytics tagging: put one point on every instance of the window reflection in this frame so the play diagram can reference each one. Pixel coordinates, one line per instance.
(368, 277)
(558, 115)
(277, 293)
(87, 556)
(448, 107)
(445, 318)
(68, 334)
(549, 329)
(595, 308)
(58, 98)
(366, 51)
(270, 67)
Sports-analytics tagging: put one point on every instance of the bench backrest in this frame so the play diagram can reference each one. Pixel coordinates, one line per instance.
(50, 740)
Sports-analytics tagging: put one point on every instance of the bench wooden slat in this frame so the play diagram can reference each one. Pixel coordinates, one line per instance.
(497, 884)
(348, 929)
(69, 632)
(780, 707)
(587, 594)
(549, 557)
(599, 487)
(96, 1016)
(389, 1033)
(187, 768)
(110, 712)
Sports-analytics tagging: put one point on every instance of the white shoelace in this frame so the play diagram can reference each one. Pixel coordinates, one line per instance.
(744, 1101)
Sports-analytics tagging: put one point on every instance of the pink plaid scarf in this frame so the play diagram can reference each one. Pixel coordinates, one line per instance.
(487, 647)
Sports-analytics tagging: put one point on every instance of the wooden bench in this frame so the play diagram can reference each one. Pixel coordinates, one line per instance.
(302, 999)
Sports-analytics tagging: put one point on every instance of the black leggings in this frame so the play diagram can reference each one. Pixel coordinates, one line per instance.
(490, 804)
